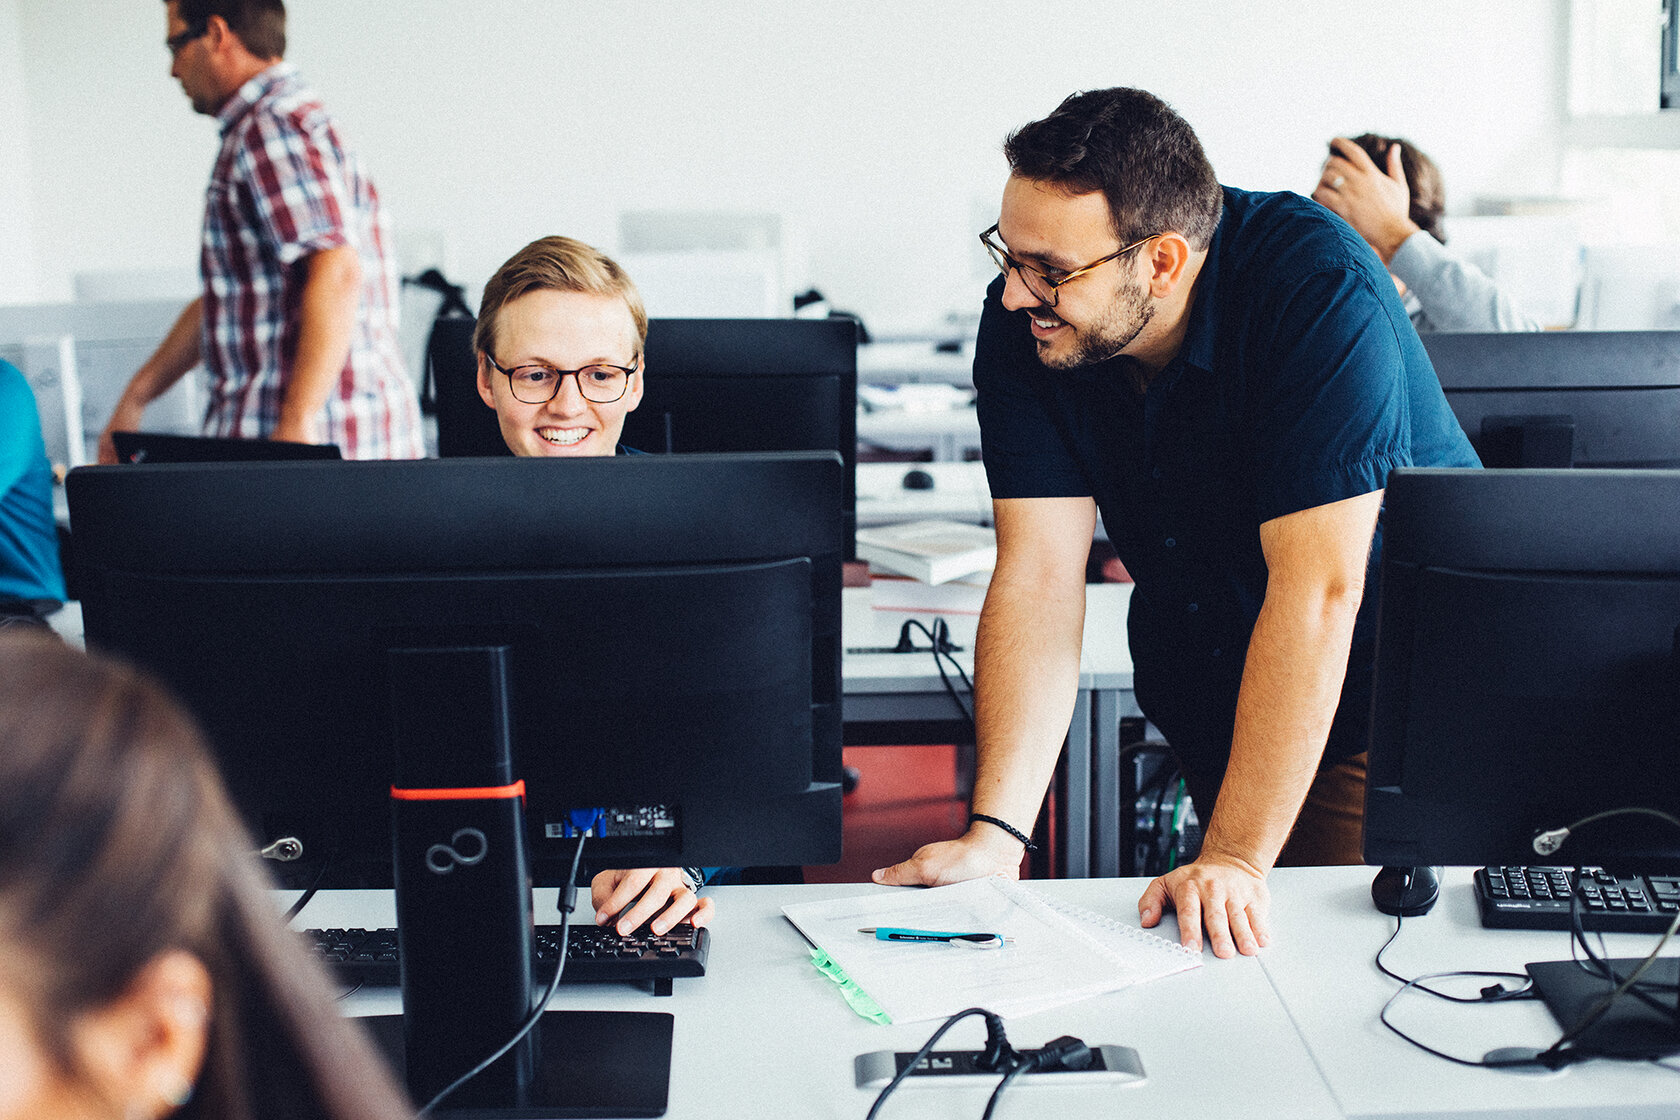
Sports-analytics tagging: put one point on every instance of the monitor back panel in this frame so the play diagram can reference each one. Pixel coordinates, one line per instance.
(1618, 393)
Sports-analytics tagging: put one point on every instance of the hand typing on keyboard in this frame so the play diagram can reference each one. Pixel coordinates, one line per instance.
(656, 896)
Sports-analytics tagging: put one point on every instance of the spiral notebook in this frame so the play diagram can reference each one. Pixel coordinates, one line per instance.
(1060, 953)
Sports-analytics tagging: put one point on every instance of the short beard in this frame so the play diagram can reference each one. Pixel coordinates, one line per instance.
(1130, 312)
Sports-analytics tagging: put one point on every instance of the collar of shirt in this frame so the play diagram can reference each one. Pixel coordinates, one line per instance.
(1197, 349)
(253, 91)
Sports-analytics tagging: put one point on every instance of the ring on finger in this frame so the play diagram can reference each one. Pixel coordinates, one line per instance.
(1336, 183)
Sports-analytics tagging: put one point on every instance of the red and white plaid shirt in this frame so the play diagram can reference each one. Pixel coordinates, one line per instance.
(285, 186)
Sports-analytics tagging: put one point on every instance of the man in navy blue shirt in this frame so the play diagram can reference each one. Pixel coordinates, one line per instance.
(1228, 377)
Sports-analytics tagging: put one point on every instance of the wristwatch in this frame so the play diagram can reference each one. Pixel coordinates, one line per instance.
(694, 878)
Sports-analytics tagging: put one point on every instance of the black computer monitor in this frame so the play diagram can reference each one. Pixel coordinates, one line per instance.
(1527, 668)
(1564, 398)
(169, 447)
(712, 385)
(674, 621)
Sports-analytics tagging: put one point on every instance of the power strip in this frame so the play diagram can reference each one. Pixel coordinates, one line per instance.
(1115, 1065)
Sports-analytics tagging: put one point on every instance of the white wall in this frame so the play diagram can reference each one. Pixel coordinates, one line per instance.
(17, 250)
(873, 129)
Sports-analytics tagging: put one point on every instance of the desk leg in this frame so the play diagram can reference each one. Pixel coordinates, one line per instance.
(1105, 793)
(1077, 807)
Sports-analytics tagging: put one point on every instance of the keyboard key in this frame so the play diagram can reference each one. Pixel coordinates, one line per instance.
(595, 954)
(1539, 898)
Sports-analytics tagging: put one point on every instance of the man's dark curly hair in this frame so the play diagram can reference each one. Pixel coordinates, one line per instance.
(1131, 146)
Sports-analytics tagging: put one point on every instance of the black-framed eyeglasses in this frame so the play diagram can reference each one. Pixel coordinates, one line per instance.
(599, 384)
(1041, 284)
(181, 39)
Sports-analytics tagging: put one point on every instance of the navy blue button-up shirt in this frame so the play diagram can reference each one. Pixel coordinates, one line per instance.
(1300, 382)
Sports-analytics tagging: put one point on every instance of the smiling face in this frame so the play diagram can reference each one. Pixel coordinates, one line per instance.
(1097, 315)
(564, 331)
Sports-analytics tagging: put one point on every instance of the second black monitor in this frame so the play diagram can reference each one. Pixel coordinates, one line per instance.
(1565, 399)
(712, 385)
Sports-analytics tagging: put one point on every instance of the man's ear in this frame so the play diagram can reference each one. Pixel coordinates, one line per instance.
(486, 391)
(144, 1050)
(1167, 260)
(217, 34)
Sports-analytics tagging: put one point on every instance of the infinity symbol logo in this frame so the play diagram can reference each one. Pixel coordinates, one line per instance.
(442, 858)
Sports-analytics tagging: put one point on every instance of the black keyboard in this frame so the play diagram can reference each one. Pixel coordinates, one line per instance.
(594, 954)
(1538, 898)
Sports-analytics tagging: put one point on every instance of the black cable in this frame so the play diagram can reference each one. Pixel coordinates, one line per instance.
(1560, 1053)
(927, 1048)
(1491, 994)
(1547, 842)
(1524, 992)
(309, 892)
(939, 641)
(1382, 1017)
(1025, 1065)
(1065, 1052)
(1623, 986)
(567, 895)
(1157, 834)
(1598, 964)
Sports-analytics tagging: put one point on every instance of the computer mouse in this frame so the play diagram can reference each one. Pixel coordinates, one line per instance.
(1406, 891)
(917, 479)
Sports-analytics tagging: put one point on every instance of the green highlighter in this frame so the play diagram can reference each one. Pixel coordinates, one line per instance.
(969, 940)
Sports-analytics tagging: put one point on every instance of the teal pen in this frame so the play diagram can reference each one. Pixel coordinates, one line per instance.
(971, 940)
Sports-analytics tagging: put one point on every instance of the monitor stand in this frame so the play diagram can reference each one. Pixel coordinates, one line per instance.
(589, 1063)
(1630, 1028)
(464, 916)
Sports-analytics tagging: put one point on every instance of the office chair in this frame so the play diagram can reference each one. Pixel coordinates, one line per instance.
(465, 426)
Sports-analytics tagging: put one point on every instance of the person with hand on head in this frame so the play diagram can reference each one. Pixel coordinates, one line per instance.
(1393, 196)
(297, 324)
(144, 970)
(559, 342)
(1228, 377)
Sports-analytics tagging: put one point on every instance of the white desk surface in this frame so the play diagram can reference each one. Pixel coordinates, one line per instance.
(1105, 659)
(1292, 1034)
(959, 493)
(1326, 935)
(764, 1035)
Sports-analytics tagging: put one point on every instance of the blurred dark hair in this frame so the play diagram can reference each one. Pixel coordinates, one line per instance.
(1429, 193)
(1130, 145)
(260, 24)
(118, 844)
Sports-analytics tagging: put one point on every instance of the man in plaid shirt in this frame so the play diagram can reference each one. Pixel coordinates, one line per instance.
(297, 324)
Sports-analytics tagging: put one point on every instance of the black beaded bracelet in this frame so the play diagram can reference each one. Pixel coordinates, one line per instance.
(1007, 827)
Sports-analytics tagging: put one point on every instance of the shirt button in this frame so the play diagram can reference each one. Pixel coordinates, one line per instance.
(1171, 542)
(1216, 653)
(1155, 473)
(1193, 608)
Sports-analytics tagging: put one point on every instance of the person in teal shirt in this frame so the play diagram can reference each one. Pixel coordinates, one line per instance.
(31, 580)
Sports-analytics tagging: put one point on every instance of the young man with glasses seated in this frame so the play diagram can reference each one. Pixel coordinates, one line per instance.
(559, 341)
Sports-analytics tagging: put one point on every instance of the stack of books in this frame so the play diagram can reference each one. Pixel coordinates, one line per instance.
(931, 551)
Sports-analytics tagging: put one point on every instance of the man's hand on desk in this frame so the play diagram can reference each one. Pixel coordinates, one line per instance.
(978, 853)
(628, 897)
(1225, 894)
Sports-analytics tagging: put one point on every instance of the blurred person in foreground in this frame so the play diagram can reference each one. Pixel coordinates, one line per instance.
(144, 970)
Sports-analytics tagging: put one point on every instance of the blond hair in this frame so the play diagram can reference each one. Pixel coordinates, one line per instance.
(559, 264)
